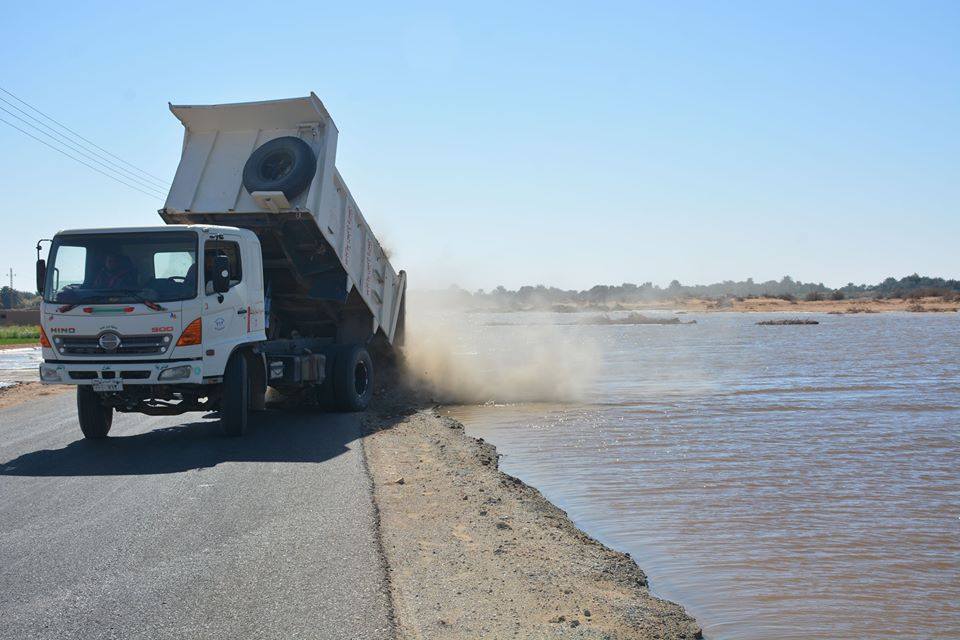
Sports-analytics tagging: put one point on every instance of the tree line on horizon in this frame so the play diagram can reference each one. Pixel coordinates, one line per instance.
(912, 286)
(13, 299)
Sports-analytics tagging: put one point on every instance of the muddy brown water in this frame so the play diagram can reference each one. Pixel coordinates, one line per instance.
(779, 482)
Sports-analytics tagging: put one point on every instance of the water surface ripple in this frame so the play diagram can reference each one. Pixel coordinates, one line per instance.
(778, 481)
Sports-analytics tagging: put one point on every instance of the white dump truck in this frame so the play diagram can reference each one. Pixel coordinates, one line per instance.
(265, 275)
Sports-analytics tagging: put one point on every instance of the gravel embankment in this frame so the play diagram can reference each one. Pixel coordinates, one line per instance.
(18, 392)
(473, 552)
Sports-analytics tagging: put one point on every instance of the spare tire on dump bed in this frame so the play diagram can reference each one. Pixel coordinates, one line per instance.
(285, 164)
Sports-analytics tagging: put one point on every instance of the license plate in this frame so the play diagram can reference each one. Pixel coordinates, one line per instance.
(108, 385)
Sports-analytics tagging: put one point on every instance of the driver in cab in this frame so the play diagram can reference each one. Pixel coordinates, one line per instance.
(209, 261)
(117, 273)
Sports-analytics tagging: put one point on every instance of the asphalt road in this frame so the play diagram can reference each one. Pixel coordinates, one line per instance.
(169, 530)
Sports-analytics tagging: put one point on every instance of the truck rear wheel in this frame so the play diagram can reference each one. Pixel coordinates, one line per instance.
(258, 382)
(353, 378)
(95, 417)
(235, 397)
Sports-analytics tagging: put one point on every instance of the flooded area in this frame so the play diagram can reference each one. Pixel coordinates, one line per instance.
(19, 364)
(777, 481)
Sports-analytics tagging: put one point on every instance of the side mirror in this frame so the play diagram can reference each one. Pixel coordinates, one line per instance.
(41, 275)
(221, 274)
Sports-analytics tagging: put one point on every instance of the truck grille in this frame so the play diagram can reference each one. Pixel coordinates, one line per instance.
(153, 344)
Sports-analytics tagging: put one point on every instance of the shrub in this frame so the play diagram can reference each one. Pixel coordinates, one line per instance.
(20, 331)
(838, 295)
(813, 296)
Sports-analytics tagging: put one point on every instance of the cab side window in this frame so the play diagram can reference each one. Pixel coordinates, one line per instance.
(214, 248)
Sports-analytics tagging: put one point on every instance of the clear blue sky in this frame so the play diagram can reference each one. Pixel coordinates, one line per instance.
(511, 143)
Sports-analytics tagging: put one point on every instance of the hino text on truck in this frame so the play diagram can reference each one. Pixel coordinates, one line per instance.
(265, 275)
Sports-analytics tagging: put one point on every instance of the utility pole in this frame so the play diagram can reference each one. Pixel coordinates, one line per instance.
(10, 290)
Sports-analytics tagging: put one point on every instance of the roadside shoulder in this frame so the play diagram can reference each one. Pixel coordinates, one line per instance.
(19, 392)
(473, 552)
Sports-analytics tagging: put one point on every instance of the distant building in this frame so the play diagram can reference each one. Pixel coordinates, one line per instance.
(19, 316)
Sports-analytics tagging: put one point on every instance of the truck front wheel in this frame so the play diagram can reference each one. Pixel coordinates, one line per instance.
(95, 417)
(353, 378)
(235, 398)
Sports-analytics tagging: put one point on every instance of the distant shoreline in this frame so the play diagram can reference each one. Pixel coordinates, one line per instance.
(851, 306)
(18, 345)
(748, 305)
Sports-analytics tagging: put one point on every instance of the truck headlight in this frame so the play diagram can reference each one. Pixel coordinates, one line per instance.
(50, 373)
(175, 373)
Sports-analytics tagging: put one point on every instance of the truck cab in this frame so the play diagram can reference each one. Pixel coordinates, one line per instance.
(140, 305)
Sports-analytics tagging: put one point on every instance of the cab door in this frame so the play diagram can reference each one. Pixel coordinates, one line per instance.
(224, 324)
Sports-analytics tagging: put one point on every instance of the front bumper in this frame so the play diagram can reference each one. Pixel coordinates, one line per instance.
(129, 373)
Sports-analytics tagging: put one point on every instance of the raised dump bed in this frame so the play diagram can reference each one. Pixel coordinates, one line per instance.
(270, 167)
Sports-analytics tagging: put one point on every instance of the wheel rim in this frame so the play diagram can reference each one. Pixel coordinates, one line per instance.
(276, 166)
(361, 378)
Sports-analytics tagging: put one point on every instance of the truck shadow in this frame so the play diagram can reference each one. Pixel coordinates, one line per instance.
(273, 436)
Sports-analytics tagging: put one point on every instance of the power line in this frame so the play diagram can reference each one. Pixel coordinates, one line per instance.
(89, 153)
(83, 152)
(65, 127)
(59, 150)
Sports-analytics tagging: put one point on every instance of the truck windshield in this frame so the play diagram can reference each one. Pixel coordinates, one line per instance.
(122, 267)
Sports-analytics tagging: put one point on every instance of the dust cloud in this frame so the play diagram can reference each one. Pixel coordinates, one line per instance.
(470, 358)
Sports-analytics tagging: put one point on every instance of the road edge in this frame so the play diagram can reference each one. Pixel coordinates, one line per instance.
(378, 531)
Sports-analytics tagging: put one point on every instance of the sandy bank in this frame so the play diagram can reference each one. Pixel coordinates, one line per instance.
(851, 306)
(759, 305)
(473, 552)
(17, 345)
(25, 391)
